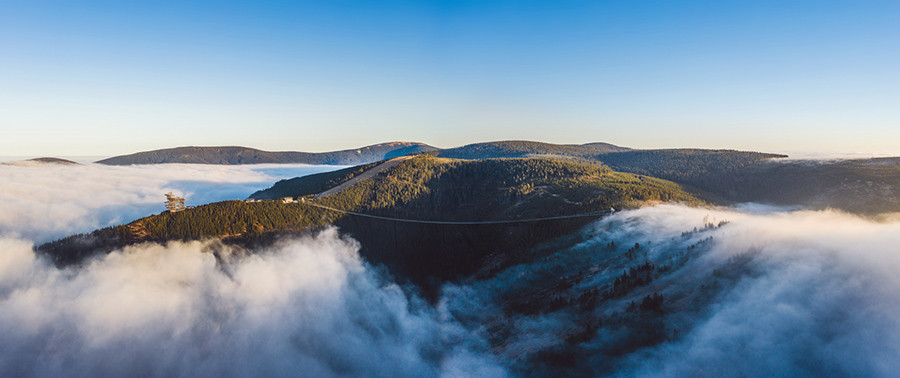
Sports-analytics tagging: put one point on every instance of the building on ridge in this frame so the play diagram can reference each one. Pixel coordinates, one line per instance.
(174, 203)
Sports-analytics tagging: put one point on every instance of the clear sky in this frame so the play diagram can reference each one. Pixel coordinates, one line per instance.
(113, 77)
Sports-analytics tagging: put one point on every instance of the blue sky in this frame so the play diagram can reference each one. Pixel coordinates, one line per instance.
(113, 77)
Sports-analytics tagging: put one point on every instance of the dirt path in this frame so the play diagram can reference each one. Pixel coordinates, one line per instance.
(363, 176)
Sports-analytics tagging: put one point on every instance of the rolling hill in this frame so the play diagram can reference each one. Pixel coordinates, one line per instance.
(519, 149)
(368, 154)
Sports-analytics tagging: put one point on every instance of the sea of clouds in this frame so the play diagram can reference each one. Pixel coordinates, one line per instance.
(822, 296)
(822, 299)
(307, 307)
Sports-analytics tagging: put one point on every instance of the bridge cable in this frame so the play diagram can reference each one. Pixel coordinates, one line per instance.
(527, 220)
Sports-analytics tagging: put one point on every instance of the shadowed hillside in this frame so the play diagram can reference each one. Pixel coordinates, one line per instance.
(865, 186)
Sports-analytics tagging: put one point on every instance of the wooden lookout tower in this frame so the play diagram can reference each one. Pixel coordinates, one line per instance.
(174, 203)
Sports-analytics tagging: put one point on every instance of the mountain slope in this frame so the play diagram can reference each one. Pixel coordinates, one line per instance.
(715, 171)
(244, 155)
(421, 188)
(863, 186)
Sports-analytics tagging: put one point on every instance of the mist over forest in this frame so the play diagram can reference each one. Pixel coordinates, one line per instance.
(666, 290)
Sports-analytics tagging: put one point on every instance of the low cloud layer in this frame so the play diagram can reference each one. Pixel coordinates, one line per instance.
(820, 296)
(306, 307)
(42, 202)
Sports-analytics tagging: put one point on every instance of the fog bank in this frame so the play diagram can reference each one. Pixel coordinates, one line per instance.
(306, 307)
(818, 295)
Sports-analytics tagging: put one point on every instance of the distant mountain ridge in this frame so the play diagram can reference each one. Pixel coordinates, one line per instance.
(233, 155)
(866, 186)
(41, 161)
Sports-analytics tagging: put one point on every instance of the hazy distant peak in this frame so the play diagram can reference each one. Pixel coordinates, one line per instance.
(53, 160)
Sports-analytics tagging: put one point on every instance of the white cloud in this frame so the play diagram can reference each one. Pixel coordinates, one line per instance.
(307, 307)
(45, 201)
(821, 296)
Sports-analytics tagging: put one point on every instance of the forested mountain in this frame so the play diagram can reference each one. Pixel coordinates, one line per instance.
(865, 186)
(719, 172)
(244, 155)
(420, 188)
